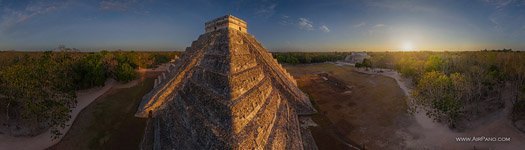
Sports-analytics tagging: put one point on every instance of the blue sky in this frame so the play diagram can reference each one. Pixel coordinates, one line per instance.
(286, 25)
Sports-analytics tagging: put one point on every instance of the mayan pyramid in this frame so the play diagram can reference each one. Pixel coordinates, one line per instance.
(226, 92)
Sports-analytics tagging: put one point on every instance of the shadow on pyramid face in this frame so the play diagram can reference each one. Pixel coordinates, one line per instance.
(227, 92)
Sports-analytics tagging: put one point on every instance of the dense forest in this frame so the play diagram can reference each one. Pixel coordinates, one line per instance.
(459, 86)
(305, 57)
(37, 89)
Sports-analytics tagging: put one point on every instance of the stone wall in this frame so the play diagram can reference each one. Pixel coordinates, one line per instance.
(226, 22)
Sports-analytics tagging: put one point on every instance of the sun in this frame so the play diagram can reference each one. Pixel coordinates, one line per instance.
(407, 46)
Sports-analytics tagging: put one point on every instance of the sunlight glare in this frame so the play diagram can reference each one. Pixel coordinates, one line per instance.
(407, 46)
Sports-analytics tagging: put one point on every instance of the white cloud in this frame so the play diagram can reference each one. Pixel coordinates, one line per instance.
(302, 23)
(305, 24)
(324, 28)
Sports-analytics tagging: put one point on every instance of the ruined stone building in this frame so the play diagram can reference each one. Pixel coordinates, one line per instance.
(226, 92)
(357, 57)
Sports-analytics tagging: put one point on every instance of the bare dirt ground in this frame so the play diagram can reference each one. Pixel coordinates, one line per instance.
(355, 108)
(360, 107)
(427, 134)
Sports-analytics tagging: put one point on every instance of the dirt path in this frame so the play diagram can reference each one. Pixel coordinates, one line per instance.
(362, 107)
(424, 133)
(427, 134)
(42, 141)
(404, 84)
(84, 98)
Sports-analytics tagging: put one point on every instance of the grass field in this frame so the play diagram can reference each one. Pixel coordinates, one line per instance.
(354, 108)
(109, 122)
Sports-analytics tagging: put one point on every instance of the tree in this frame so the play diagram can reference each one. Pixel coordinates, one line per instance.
(125, 72)
(410, 68)
(160, 59)
(434, 63)
(90, 71)
(292, 60)
(40, 91)
(440, 95)
(367, 63)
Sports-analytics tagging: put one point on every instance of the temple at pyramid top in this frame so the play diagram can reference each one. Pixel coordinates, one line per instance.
(228, 21)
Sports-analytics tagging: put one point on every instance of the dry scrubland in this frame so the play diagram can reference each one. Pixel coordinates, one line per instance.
(454, 94)
(371, 110)
(457, 88)
(467, 93)
(37, 89)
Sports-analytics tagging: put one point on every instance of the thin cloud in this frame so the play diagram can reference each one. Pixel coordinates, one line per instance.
(378, 29)
(305, 24)
(499, 4)
(133, 6)
(263, 9)
(266, 10)
(362, 24)
(379, 25)
(399, 6)
(285, 20)
(494, 20)
(116, 5)
(12, 18)
(324, 28)
(500, 13)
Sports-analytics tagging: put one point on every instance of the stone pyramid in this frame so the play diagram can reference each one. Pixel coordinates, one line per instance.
(226, 92)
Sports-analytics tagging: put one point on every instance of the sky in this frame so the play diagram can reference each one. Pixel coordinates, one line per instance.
(280, 25)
